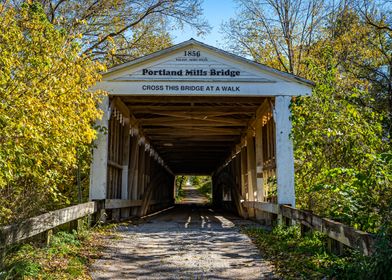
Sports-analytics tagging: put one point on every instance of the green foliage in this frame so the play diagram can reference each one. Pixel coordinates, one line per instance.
(341, 172)
(203, 184)
(206, 189)
(180, 182)
(297, 257)
(66, 257)
(23, 264)
(46, 112)
(342, 133)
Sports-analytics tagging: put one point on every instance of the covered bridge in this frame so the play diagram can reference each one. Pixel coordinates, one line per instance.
(197, 110)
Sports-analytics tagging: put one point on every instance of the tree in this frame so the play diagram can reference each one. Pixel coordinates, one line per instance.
(120, 29)
(46, 112)
(340, 170)
(377, 15)
(276, 32)
(341, 133)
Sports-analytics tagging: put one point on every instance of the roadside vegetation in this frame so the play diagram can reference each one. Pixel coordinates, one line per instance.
(67, 256)
(307, 257)
(180, 182)
(342, 133)
(203, 184)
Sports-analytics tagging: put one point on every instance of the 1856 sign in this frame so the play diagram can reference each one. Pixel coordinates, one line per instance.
(200, 71)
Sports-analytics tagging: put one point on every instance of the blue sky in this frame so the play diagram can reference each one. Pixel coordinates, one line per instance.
(216, 12)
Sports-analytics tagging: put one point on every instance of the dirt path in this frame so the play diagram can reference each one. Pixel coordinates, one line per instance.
(186, 242)
(192, 196)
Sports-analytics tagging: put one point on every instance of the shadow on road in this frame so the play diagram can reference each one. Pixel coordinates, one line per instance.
(189, 241)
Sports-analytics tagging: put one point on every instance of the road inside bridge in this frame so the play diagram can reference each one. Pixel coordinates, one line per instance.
(185, 242)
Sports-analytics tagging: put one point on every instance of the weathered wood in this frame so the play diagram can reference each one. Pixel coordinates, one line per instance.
(244, 170)
(133, 169)
(33, 226)
(124, 203)
(114, 164)
(148, 193)
(346, 235)
(190, 99)
(263, 206)
(121, 203)
(141, 171)
(362, 241)
(120, 105)
(193, 131)
(251, 164)
(125, 160)
(235, 109)
(192, 121)
(259, 161)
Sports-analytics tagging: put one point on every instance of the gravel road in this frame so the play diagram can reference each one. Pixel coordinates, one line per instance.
(185, 242)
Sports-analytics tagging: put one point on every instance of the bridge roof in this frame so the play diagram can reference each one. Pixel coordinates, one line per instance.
(205, 69)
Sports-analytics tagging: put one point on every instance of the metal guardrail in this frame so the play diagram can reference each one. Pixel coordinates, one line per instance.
(342, 233)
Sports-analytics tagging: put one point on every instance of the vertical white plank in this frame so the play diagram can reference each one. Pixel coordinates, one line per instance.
(251, 164)
(125, 159)
(244, 171)
(99, 165)
(284, 151)
(259, 161)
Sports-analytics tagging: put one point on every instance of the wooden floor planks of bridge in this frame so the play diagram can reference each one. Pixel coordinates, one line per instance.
(186, 242)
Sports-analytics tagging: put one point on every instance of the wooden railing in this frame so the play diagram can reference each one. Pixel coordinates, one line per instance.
(339, 232)
(46, 222)
(336, 231)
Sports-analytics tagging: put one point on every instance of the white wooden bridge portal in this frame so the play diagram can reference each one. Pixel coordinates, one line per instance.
(194, 109)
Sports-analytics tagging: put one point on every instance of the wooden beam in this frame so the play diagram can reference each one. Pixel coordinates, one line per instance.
(200, 138)
(186, 109)
(120, 105)
(148, 193)
(184, 114)
(191, 99)
(244, 171)
(33, 226)
(263, 206)
(135, 164)
(251, 164)
(186, 130)
(121, 203)
(192, 123)
(259, 161)
(142, 169)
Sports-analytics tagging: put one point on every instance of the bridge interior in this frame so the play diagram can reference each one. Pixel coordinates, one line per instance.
(153, 138)
(193, 135)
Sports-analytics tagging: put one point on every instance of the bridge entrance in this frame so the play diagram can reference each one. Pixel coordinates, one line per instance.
(194, 109)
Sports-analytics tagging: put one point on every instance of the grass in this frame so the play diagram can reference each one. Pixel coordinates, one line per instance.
(180, 195)
(67, 256)
(297, 257)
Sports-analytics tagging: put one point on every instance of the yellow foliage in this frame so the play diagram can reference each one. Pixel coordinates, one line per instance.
(46, 111)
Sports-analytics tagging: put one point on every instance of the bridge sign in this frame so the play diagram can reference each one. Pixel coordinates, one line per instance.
(198, 69)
